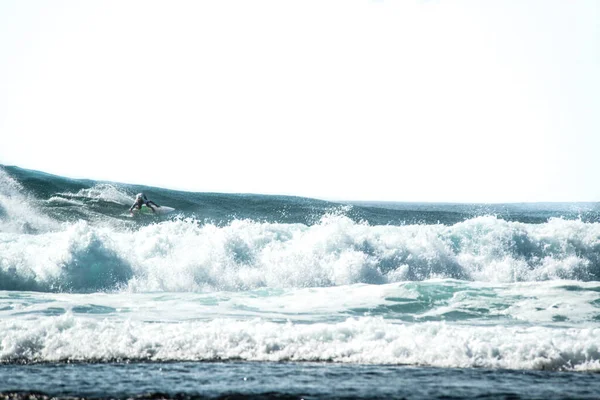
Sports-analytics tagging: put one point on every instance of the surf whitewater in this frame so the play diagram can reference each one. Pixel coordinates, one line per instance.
(274, 278)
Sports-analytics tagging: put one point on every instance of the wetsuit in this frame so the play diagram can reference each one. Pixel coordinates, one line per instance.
(140, 201)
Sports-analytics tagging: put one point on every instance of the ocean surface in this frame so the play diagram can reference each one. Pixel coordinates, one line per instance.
(252, 296)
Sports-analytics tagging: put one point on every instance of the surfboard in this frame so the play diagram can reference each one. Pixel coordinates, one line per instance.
(159, 210)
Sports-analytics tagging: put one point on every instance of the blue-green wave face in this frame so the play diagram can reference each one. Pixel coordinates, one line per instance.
(59, 234)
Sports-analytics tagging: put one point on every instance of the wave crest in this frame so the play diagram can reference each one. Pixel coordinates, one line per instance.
(360, 340)
(186, 255)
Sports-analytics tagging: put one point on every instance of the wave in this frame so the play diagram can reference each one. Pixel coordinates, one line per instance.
(68, 200)
(17, 210)
(187, 255)
(355, 340)
(60, 234)
(100, 192)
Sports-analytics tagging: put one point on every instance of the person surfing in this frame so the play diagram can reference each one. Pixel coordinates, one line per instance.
(140, 200)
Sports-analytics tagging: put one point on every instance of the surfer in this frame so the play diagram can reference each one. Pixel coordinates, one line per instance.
(141, 199)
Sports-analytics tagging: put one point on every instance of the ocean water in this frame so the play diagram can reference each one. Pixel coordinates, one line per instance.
(251, 296)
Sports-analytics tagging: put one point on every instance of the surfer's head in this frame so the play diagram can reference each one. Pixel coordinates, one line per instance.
(140, 196)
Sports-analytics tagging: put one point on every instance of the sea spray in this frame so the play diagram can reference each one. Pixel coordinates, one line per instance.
(275, 278)
(186, 255)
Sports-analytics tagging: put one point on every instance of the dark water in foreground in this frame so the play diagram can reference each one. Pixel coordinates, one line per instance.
(241, 380)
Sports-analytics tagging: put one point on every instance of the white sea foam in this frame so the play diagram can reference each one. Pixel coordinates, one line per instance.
(361, 340)
(62, 201)
(102, 192)
(561, 303)
(183, 255)
(18, 213)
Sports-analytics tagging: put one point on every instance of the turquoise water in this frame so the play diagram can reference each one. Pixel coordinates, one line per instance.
(368, 300)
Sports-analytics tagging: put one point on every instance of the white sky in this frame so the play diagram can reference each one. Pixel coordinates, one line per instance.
(461, 101)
